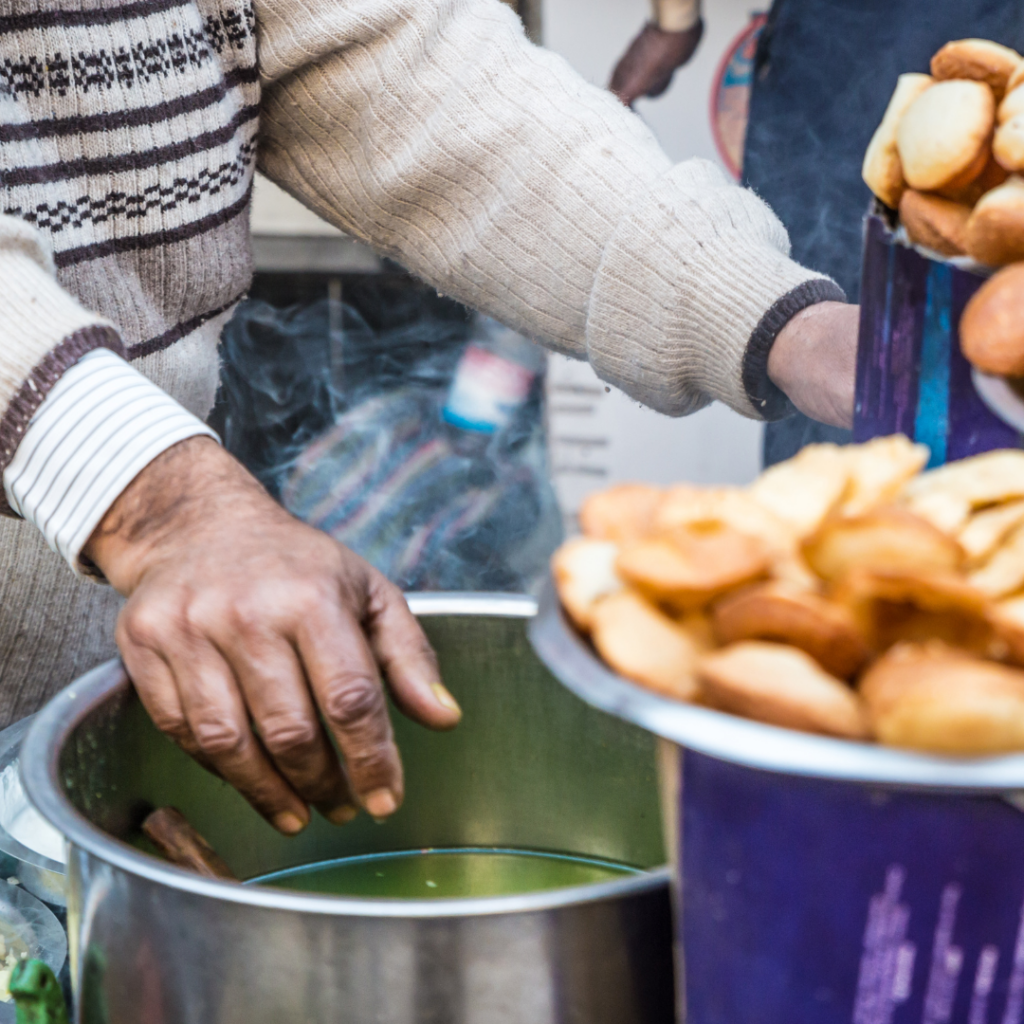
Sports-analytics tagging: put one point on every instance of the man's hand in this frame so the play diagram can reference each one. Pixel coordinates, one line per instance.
(647, 67)
(244, 626)
(814, 361)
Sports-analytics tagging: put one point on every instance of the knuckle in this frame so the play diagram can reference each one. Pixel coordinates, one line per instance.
(370, 762)
(285, 734)
(220, 738)
(354, 702)
(382, 593)
(426, 652)
(195, 618)
(304, 600)
(172, 724)
(142, 625)
(247, 616)
(317, 593)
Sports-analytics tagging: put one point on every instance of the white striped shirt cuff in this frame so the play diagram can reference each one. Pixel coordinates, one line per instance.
(101, 424)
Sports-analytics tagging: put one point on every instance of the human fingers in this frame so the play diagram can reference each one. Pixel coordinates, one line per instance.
(345, 681)
(214, 710)
(277, 694)
(406, 657)
(154, 683)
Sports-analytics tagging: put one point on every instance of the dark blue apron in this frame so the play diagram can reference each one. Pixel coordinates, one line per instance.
(824, 72)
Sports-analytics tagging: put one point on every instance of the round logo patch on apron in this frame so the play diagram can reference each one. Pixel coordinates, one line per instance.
(730, 95)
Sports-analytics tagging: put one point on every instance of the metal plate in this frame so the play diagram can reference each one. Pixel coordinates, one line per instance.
(573, 661)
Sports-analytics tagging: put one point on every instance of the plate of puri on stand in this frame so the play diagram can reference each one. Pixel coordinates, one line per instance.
(833, 658)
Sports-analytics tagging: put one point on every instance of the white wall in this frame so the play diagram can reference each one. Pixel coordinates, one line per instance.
(598, 437)
(274, 212)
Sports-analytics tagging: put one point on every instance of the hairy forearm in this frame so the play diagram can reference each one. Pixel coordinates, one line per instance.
(181, 489)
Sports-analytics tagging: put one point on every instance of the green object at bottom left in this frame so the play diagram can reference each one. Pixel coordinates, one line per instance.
(37, 994)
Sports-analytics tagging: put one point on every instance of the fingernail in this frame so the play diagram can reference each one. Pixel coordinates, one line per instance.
(288, 823)
(380, 803)
(444, 698)
(342, 815)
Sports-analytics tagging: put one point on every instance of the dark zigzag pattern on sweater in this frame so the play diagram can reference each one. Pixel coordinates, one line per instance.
(155, 239)
(86, 71)
(133, 117)
(181, 191)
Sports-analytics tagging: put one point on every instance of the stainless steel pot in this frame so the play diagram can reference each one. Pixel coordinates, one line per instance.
(530, 766)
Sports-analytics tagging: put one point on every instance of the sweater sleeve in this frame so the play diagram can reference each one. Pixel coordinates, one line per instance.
(43, 331)
(434, 131)
(77, 423)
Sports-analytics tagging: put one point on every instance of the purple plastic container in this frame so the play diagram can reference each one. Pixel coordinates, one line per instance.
(819, 881)
(911, 376)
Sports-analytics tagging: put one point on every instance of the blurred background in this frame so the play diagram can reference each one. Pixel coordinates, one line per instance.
(449, 451)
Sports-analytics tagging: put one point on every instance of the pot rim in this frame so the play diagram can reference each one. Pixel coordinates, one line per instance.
(60, 717)
(743, 741)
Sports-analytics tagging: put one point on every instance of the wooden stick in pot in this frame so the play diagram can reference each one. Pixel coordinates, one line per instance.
(170, 832)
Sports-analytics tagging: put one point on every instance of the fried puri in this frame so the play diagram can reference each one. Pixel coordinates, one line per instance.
(622, 513)
(789, 614)
(936, 223)
(943, 137)
(934, 698)
(890, 607)
(878, 470)
(887, 538)
(689, 566)
(804, 490)
(992, 324)
(881, 170)
(584, 572)
(979, 59)
(643, 644)
(782, 686)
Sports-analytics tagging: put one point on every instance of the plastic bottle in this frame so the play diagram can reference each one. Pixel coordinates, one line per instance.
(492, 381)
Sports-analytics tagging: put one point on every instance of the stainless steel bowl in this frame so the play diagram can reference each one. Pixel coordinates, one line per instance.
(41, 875)
(25, 919)
(745, 741)
(529, 767)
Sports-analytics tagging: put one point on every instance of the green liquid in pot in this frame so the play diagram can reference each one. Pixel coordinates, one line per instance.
(446, 874)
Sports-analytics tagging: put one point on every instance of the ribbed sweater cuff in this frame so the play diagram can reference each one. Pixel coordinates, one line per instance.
(770, 402)
(41, 380)
(684, 283)
(43, 332)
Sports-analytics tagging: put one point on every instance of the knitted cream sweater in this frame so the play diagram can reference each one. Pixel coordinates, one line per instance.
(129, 131)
